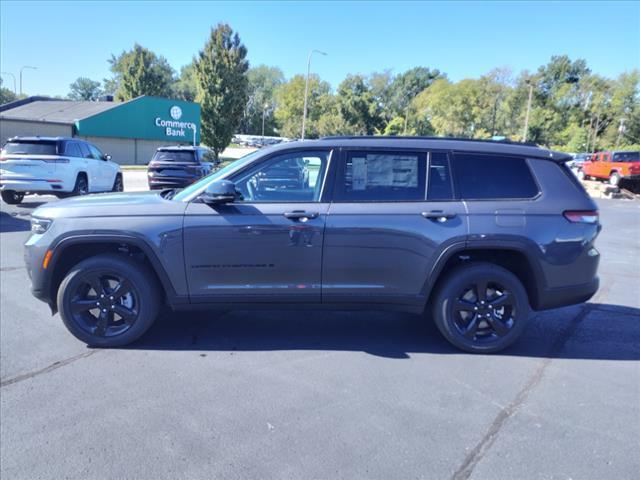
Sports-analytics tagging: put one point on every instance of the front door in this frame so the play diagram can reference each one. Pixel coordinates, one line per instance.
(384, 230)
(266, 246)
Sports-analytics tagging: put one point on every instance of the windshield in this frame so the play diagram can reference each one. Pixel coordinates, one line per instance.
(30, 148)
(200, 185)
(626, 157)
(174, 156)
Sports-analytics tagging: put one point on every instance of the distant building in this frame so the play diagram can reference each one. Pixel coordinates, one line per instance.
(128, 131)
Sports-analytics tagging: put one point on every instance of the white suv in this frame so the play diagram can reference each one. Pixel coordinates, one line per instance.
(55, 165)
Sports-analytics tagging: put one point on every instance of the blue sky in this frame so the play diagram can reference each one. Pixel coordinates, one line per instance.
(66, 40)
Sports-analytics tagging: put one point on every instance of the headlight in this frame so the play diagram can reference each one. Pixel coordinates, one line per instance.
(40, 225)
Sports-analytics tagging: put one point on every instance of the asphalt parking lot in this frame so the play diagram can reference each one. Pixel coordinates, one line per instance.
(324, 395)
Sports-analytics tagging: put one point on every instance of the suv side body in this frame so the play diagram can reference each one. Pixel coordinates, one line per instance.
(53, 165)
(179, 166)
(381, 223)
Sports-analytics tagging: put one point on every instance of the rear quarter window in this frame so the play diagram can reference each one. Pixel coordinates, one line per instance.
(485, 177)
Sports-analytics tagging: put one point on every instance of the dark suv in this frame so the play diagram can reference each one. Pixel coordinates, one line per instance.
(473, 234)
(179, 166)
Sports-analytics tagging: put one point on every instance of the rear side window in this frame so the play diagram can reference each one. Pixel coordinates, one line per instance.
(30, 148)
(487, 177)
(382, 176)
(72, 150)
(626, 157)
(440, 185)
(174, 156)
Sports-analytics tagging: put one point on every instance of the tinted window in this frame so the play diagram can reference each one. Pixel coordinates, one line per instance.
(71, 149)
(291, 177)
(30, 148)
(377, 176)
(84, 149)
(440, 187)
(95, 153)
(174, 156)
(486, 176)
(626, 157)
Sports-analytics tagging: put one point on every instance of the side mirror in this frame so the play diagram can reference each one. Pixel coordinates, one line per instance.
(106, 157)
(222, 191)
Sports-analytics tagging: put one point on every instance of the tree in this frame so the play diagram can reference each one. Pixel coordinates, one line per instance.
(406, 86)
(221, 74)
(140, 72)
(290, 103)
(358, 106)
(186, 86)
(84, 89)
(6, 95)
(263, 84)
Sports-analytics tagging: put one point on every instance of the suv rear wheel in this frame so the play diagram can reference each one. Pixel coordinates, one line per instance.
(81, 187)
(12, 197)
(481, 308)
(108, 300)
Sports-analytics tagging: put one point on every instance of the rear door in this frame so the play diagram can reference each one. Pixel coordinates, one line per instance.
(385, 228)
(105, 173)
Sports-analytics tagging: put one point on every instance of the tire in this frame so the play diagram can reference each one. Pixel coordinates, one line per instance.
(118, 185)
(81, 187)
(614, 179)
(480, 328)
(12, 197)
(127, 310)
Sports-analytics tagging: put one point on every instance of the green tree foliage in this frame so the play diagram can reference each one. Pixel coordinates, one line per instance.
(6, 95)
(84, 88)
(290, 103)
(221, 73)
(264, 81)
(358, 106)
(186, 86)
(406, 86)
(140, 72)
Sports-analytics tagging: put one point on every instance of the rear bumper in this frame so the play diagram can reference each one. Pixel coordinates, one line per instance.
(565, 296)
(170, 182)
(31, 185)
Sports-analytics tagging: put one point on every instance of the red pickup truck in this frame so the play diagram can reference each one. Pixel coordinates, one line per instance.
(612, 166)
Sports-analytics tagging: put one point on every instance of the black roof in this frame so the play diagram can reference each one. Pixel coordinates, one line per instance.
(432, 143)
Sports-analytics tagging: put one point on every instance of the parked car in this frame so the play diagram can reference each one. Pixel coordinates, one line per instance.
(472, 234)
(179, 166)
(55, 165)
(612, 166)
(578, 160)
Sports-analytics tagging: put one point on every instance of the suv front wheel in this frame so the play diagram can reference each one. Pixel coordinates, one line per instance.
(108, 300)
(481, 308)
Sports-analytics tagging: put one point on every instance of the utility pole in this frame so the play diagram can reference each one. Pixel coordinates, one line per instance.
(15, 92)
(21, 69)
(526, 118)
(264, 108)
(306, 90)
(621, 130)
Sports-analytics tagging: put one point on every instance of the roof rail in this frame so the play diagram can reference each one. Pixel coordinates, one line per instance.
(403, 137)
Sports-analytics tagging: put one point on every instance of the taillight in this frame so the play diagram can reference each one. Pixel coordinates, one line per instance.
(581, 216)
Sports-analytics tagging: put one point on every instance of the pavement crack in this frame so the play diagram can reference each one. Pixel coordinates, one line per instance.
(484, 445)
(50, 368)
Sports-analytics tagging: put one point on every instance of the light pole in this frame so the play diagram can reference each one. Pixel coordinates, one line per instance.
(15, 92)
(21, 69)
(306, 89)
(264, 109)
(526, 118)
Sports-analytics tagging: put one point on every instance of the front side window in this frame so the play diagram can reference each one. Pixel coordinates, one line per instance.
(482, 176)
(95, 153)
(290, 177)
(382, 176)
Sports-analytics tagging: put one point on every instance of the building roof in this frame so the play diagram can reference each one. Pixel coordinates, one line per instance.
(57, 111)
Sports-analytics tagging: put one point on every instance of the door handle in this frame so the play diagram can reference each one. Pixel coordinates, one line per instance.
(300, 215)
(438, 215)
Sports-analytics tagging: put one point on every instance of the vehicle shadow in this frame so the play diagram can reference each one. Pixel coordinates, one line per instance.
(10, 223)
(564, 333)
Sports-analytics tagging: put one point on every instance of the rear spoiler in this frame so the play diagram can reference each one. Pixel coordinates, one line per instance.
(559, 157)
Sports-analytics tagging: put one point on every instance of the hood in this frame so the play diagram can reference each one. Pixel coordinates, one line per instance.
(112, 205)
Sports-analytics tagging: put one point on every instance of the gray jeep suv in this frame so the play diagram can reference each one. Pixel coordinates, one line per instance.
(472, 234)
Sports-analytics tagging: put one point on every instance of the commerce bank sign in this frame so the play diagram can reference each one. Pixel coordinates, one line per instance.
(175, 127)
